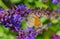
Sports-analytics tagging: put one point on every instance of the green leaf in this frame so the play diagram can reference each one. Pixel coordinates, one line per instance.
(30, 1)
(23, 24)
(58, 33)
(15, 1)
(39, 36)
(40, 4)
(6, 30)
(1, 31)
(53, 28)
(52, 6)
(43, 19)
(54, 21)
(5, 36)
(11, 37)
(3, 5)
(47, 34)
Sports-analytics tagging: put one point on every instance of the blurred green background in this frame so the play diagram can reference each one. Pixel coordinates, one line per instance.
(6, 4)
(30, 3)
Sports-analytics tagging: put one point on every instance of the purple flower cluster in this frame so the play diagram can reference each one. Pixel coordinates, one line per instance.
(1, 9)
(59, 10)
(11, 18)
(56, 1)
(27, 34)
(23, 9)
(54, 36)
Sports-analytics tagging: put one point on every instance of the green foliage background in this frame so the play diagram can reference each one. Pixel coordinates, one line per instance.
(30, 3)
(6, 4)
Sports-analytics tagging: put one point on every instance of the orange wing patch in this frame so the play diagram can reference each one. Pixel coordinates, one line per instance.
(36, 21)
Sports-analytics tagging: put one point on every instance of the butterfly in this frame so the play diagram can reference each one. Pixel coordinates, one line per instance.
(33, 21)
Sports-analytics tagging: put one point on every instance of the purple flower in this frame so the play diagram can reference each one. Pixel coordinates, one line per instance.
(54, 36)
(59, 10)
(12, 17)
(17, 17)
(7, 25)
(22, 7)
(56, 1)
(27, 34)
(15, 24)
(27, 37)
(1, 9)
(27, 11)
